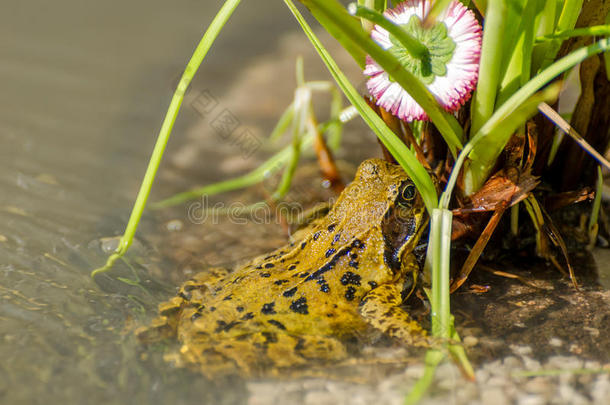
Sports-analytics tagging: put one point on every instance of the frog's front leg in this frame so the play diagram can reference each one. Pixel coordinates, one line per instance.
(381, 308)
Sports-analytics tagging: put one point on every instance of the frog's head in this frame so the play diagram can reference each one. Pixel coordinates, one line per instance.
(383, 196)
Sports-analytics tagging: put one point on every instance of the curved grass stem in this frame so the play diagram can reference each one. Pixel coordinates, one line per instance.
(166, 129)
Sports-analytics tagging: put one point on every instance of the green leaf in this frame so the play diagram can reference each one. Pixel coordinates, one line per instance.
(440, 50)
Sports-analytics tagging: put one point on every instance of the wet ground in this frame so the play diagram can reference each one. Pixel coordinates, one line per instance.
(84, 92)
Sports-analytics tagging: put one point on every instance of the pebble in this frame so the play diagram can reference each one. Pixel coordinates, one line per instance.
(511, 362)
(555, 342)
(531, 400)
(521, 350)
(494, 395)
(565, 363)
(174, 225)
(470, 341)
(538, 385)
(494, 385)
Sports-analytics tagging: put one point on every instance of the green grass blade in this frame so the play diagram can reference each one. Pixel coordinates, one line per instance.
(166, 128)
(484, 99)
(518, 69)
(567, 20)
(432, 360)
(348, 32)
(403, 155)
(484, 153)
(546, 23)
(596, 30)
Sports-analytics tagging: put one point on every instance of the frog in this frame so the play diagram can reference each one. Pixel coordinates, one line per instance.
(343, 274)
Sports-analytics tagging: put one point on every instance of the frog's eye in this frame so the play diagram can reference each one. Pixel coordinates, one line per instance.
(407, 195)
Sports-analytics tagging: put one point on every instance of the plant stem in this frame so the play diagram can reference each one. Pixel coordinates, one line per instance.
(166, 129)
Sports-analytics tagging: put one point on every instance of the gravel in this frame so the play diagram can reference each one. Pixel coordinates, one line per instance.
(558, 380)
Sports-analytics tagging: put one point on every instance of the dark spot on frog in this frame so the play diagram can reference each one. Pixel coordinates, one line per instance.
(188, 288)
(258, 267)
(249, 315)
(184, 296)
(328, 266)
(324, 287)
(265, 275)
(280, 282)
(269, 257)
(316, 235)
(290, 293)
(350, 278)
(331, 227)
(270, 337)
(303, 245)
(302, 275)
(212, 309)
(336, 238)
(268, 309)
(228, 297)
(239, 309)
(349, 293)
(292, 267)
(373, 284)
(300, 345)
(222, 326)
(353, 264)
(330, 315)
(195, 316)
(277, 323)
(300, 306)
(357, 243)
(330, 252)
(269, 265)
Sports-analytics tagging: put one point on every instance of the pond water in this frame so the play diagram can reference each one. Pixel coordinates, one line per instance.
(84, 89)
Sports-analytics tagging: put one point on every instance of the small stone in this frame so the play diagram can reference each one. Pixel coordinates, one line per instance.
(565, 362)
(470, 341)
(593, 331)
(494, 395)
(531, 364)
(521, 350)
(319, 398)
(555, 342)
(174, 225)
(496, 381)
(532, 400)
(511, 362)
(600, 391)
(415, 371)
(110, 244)
(538, 385)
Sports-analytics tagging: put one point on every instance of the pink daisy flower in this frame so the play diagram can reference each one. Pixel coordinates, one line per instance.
(451, 73)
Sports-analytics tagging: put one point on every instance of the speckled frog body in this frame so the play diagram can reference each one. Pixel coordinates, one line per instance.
(342, 274)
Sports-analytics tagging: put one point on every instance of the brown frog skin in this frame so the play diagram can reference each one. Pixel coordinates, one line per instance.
(344, 273)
